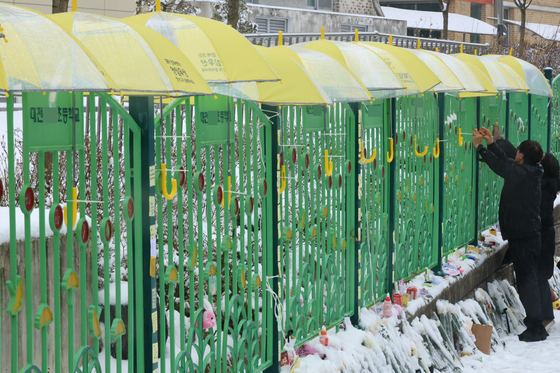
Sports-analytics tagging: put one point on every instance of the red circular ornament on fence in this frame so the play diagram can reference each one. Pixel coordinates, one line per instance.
(219, 195)
(264, 187)
(455, 130)
(307, 161)
(182, 176)
(340, 181)
(236, 207)
(383, 171)
(349, 167)
(375, 163)
(130, 208)
(403, 134)
(396, 139)
(250, 205)
(330, 182)
(58, 217)
(27, 199)
(319, 172)
(108, 230)
(200, 182)
(294, 156)
(281, 159)
(84, 232)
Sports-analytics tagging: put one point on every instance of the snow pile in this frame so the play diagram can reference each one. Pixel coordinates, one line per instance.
(444, 342)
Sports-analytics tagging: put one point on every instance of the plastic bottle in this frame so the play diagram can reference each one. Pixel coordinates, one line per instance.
(397, 299)
(323, 339)
(387, 307)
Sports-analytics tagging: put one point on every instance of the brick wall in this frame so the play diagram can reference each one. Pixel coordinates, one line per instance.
(354, 7)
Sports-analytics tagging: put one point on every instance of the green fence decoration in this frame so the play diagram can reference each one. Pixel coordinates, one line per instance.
(327, 207)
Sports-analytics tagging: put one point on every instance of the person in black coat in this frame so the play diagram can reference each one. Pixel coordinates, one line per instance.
(550, 186)
(519, 217)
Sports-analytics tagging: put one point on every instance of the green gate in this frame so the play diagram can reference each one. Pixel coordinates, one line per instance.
(539, 120)
(460, 173)
(416, 184)
(317, 229)
(518, 121)
(56, 322)
(213, 234)
(376, 153)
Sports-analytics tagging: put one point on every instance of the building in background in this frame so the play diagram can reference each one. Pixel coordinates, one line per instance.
(111, 8)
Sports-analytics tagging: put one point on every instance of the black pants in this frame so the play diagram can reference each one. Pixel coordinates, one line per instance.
(525, 255)
(545, 271)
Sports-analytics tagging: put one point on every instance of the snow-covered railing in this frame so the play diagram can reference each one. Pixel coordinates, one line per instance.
(444, 46)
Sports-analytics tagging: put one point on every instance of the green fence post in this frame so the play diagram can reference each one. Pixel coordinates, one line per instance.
(441, 177)
(141, 109)
(353, 198)
(476, 161)
(548, 76)
(272, 246)
(508, 96)
(392, 198)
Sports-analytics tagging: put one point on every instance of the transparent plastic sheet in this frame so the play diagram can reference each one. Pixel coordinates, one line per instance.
(40, 56)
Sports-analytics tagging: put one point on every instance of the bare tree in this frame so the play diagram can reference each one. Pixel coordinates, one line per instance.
(170, 6)
(377, 8)
(444, 5)
(522, 5)
(59, 6)
(236, 14)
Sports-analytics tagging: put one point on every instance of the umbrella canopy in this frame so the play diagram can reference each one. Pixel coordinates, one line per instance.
(136, 58)
(450, 79)
(365, 65)
(467, 78)
(297, 86)
(490, 90)
(219, 52)
(414, 73)
(40, 56)
(338, 83)
(503, 77)
(532, 76)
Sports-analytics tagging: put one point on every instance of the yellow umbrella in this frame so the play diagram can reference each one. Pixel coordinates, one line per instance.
(490, 90)
(297, 86)
(365, 65)
(454, 74)
(40, 56)
(219, 52)
(137, 59)
(339, 84)
(503, 77)
(536, 81)
(414, 73)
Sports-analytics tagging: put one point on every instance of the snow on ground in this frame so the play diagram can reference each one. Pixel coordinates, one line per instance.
(520, 357)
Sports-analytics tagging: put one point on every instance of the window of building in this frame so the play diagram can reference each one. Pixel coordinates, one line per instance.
(428, 7)
(271, 25)
(476, 12)
(351, 28)
(320, 4)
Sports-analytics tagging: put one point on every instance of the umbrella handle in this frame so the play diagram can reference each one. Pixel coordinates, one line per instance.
(74, 208)
(168, 196)
(328, 165)
(460, 138)
(416, 151)
(363, 158)
(391, 155)
(436, 149)
(282, 180)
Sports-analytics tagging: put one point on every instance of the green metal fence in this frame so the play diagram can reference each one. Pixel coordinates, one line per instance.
(284, 219)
